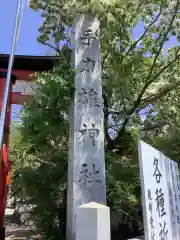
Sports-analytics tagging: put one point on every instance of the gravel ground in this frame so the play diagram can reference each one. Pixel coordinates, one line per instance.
(15, 232)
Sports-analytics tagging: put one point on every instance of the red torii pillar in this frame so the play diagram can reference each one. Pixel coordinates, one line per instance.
(5, 164)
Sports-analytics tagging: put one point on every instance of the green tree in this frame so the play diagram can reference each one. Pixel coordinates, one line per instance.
(137, 72)
(139, 78)
(38, 148)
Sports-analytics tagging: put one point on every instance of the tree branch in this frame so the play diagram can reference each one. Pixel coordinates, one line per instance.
(158, 125)
(163, 40)
(138, 101)
(110, 142)
(161, 92)
(49, 45)
(111, 111)
(43, 161)
(164, 68)
(142, 36)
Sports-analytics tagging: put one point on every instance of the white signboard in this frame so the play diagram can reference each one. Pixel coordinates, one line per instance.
(155, 194)
(172, 176)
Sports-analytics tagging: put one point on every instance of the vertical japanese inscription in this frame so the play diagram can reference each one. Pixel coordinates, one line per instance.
(151, 220)
(157, 174)
(171, 204)
(163, 231)
(89, 177)
(88, 65)
(178, 193)
(89, 107)
(160, 201)
(91, 133)
(89, 97)
(87, 37)
(154, 180)
(86, 171)
(174, 196)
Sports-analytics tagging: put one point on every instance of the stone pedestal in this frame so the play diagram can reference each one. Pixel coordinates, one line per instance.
(93, 222)
(86, 166)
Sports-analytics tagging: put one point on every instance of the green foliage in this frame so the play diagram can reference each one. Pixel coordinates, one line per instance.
(138, 76)
(132, 80)
(39, 150)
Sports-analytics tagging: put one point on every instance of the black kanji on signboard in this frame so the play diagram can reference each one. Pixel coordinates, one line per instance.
(157, 174)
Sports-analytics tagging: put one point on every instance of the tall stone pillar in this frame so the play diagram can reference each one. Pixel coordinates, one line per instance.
(86, 167)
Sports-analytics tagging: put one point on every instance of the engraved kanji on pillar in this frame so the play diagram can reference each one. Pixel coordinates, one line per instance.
(86, 166)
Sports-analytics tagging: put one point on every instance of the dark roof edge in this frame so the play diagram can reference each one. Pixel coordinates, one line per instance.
(32, 63)
(29, 57)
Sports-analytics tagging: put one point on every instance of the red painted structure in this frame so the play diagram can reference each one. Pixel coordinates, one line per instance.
(23, 67)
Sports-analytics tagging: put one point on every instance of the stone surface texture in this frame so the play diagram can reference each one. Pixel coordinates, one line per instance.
(86, 166)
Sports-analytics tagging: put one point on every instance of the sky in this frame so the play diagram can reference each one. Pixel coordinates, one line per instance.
(27, 44)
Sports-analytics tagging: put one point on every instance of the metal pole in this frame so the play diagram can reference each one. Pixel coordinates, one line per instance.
(19, 12)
